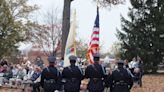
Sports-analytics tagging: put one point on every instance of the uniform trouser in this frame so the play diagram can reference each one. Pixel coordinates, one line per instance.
(51, 87)
(49, 90)
(71, 91)
(95, 91)
(71, 86)
(120, 88)
(95, 86)
(36, 87)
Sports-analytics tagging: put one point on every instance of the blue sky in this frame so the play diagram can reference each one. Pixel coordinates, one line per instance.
(86, 13)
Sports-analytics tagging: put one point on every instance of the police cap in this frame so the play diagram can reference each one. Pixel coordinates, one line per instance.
(72, 57)
(51, 59)
(120, 62)
(96, 55)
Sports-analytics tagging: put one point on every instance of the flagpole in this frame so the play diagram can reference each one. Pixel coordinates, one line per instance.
(74, 33)
(98, 49)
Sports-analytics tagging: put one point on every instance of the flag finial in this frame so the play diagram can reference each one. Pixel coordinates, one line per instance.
(97, 2)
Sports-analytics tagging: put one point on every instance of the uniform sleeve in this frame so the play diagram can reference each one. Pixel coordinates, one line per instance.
(104, 72)
(107, 80)
(86, 72)
(111, 81)
(63, 73)
(81, 74)
(60, 81)
(129, 78)
(42, 77)
(130, 81)
(59, 75)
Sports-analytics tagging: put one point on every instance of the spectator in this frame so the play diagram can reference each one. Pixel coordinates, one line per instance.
(30, 73)
(20, 76)
(36, 73)
(126, 62)
(21, 72)
(15, 71)
(3, 62)
(39, 62)
(2, 71)
(8, 74)
(36, 79)
(133, 64)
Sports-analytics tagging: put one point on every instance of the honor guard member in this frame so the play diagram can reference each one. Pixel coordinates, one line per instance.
(51, 77)
(96, 73)
(121, 80)
(73, 76)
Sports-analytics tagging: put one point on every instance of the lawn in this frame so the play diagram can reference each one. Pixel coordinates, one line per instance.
(151, 83)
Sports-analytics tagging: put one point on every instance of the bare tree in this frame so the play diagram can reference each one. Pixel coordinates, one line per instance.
(81, 48)
(106, 3)
(47, 35)
(116, 49)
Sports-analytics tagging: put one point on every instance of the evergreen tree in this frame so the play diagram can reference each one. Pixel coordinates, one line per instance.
(141, 33)
(14, 23)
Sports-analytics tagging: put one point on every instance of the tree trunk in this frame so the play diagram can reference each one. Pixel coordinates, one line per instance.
(65, 24)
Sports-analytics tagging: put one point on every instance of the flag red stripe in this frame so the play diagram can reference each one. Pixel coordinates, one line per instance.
(94, 45)
(96, 32)
(89, 57)
(95, 38)
(90, 60)
(91, 51)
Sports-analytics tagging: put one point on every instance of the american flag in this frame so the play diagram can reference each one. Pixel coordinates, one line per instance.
(94, 43)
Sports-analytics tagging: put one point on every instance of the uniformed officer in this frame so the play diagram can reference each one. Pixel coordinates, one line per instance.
(96, 74)
(121, 80)
(73, 76)
(51, 77)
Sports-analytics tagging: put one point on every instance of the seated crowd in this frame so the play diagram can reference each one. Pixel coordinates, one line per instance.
(13, 75)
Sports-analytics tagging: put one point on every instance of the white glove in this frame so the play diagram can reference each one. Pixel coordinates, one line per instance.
(56, 91)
